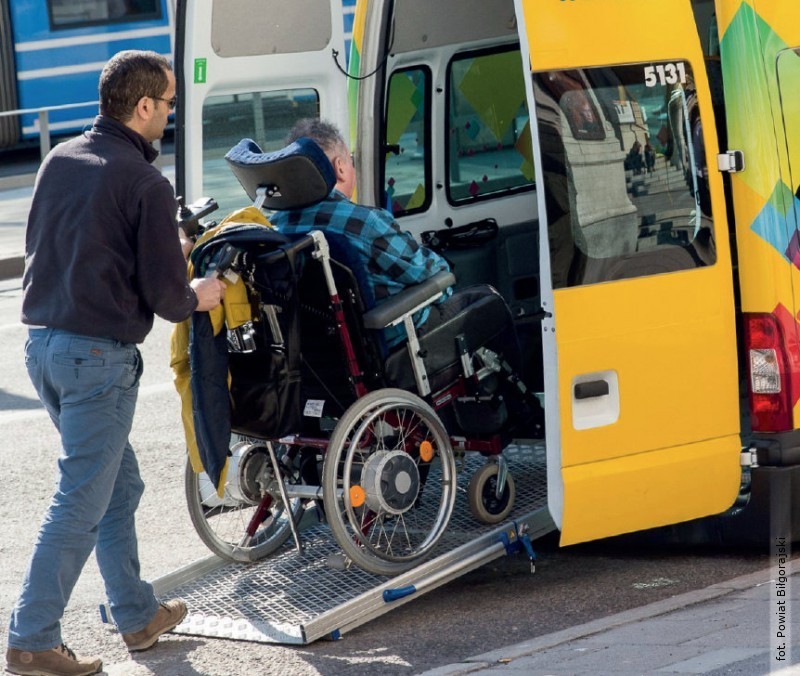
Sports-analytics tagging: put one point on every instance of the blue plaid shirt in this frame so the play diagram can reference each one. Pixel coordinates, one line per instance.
(392, 258)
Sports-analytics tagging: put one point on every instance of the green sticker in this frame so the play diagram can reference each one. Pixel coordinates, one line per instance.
(199, 71)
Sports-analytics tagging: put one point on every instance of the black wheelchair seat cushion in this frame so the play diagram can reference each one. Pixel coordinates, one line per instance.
(485, 322)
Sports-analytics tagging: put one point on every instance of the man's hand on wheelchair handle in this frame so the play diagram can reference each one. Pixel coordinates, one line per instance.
(210, 291)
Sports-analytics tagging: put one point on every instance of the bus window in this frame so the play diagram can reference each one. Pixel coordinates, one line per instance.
(407, 164)
(265, 117)
(625, 175)
(72, 13)
(488, 140)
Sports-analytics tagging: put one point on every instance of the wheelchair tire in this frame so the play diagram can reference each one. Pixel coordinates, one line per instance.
(389, 481)
(484, 504)
(221, 523)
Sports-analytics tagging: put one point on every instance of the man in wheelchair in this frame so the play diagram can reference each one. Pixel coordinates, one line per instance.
(390, 258)
(323, 292)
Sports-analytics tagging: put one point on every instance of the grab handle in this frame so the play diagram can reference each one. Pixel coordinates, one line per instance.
(590, 389)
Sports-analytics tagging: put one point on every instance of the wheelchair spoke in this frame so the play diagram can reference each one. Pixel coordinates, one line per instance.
(402, 519)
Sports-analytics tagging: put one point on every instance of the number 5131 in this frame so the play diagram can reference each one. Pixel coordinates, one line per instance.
(665, 74)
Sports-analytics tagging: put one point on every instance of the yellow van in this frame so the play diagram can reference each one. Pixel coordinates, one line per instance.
(620, 170)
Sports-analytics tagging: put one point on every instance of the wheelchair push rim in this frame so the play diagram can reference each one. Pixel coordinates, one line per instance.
(389, 481)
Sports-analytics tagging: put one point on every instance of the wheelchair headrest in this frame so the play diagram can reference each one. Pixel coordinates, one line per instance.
(293, 177)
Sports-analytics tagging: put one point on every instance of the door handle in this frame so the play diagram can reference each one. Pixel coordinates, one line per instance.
(595, 399)
(590, 389)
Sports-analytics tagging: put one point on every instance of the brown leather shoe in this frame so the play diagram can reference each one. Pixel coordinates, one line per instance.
(167, 617)
(59, 661)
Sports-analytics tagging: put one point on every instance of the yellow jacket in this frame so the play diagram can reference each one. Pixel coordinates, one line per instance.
(234, 311)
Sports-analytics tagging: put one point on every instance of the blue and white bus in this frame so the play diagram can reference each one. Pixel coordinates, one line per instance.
(52, 52)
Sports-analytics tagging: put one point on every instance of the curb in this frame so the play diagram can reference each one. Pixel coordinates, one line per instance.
(11, 267)
(503, 656)
(17, 181)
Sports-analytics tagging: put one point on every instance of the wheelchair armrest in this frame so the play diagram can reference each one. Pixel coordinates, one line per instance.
(409, 300)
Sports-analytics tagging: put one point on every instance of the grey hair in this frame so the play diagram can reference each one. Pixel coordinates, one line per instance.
(325, 134)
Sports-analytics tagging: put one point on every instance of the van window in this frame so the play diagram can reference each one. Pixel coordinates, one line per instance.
(253, 27)
(265, 117)
(407, 165)
(488, 140)
(624, 172)
(71, 13)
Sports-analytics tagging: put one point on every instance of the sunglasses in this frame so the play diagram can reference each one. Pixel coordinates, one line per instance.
(170, 102)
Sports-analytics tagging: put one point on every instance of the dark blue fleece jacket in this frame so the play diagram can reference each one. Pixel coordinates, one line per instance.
(102, 254)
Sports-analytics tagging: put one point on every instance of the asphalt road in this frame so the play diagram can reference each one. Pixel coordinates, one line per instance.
(495, 606)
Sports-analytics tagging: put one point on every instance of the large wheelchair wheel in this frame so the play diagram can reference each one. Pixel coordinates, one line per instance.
(389, 481)
(251, 500)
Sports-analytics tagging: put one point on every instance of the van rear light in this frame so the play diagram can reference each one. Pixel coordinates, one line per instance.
(765, 375)
(770, 384)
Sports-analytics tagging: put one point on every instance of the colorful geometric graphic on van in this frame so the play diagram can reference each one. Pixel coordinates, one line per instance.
(495, 89)
(790, 328)
(524, 146)
(406, 104)
(747, 45)
(487, 116)
(354, 64)
(762, 108)
(405, 141)
(777, 223)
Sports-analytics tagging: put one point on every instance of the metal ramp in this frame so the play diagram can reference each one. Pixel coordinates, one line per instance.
(294, 599)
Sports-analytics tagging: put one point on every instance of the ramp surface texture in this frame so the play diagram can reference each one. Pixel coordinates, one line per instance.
(296, 599)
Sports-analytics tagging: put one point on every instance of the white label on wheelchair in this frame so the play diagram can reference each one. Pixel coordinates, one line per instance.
(231, 276)
(314, 408)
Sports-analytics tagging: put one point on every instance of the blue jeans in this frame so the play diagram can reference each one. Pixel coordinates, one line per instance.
(89, 388)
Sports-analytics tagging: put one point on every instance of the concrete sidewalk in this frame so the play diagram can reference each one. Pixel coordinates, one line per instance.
(15, 199)
(16, 190)
(742, 626)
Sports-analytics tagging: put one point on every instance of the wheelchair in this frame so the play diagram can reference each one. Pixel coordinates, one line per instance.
(322, 412)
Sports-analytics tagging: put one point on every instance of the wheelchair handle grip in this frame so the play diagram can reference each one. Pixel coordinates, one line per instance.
(290, 249)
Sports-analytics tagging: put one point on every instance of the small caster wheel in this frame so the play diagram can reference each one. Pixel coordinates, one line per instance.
(482, 495)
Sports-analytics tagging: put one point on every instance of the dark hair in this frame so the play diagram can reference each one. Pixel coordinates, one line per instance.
(325, 134)
(127, 77)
